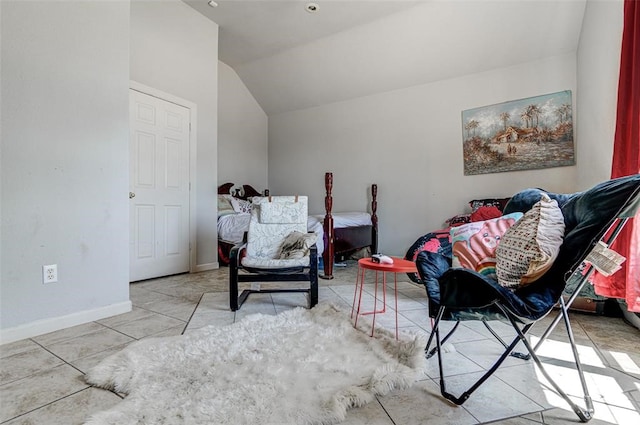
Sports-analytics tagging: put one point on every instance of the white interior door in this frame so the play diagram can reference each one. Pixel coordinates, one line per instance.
(159, 187)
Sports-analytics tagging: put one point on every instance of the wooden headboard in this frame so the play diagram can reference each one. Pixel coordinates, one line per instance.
(247, 191)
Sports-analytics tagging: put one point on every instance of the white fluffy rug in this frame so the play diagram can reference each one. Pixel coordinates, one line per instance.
(299, 367)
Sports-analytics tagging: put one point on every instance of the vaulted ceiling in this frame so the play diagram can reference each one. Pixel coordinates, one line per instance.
(291, 59)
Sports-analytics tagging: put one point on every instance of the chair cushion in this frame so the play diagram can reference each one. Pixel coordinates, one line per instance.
(470, 296)
(267, 263)
(529, 248)
(474, 244)
(282, 213)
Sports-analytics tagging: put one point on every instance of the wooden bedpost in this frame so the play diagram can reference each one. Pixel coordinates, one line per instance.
(374, 219)
(328, 254)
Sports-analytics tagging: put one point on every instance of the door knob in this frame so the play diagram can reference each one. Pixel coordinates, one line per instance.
(132, 195)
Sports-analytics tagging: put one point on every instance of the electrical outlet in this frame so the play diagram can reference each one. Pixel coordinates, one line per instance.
(50, 273)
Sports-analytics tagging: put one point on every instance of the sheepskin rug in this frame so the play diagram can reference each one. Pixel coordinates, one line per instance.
(299, 367)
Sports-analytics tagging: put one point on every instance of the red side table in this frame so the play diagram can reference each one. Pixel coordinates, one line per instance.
(399, 266)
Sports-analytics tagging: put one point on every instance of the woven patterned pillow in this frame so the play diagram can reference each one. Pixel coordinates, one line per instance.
(529, 248)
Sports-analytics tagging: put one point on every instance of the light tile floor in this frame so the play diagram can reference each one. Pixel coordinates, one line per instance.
(41, 378)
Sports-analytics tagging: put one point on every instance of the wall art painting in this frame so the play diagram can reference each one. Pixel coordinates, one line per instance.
(525, 134)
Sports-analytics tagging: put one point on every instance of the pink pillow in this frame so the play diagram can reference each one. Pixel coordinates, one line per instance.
(474, 244)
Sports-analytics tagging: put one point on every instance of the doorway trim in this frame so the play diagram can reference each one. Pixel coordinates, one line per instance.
(134, 85)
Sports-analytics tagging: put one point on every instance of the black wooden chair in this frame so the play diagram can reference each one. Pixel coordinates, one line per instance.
(277, 249)
(457, 294)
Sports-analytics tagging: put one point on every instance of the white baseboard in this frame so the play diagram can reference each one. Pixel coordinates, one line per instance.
(207, 266)
(40, 327)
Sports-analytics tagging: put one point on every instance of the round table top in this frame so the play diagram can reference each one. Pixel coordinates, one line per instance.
(400, 265)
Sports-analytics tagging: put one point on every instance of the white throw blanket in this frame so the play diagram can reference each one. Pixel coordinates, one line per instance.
(299, 367)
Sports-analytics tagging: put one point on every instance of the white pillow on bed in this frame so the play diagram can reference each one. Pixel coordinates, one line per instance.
(224, 205)
(241, 206)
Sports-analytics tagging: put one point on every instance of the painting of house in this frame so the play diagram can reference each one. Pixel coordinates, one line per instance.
(524, 134)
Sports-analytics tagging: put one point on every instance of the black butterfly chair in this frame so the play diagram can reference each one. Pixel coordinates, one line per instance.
(457, 294)
(274, 220)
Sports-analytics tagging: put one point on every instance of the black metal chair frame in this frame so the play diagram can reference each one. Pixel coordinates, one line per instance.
(582, 272)
(296, 274)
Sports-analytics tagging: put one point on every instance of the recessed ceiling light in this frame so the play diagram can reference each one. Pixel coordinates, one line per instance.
(213, 3)
(312, 7)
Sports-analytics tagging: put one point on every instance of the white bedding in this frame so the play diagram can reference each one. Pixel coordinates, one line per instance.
(231, 228)
(347, 219)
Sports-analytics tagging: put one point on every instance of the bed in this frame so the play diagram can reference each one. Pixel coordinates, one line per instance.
(348, 232)
(339, 234)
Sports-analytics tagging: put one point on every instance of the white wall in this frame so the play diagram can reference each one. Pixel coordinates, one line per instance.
(175, 49)
(65, 76)
(409, 142)
(242, 133)
(598, 73)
